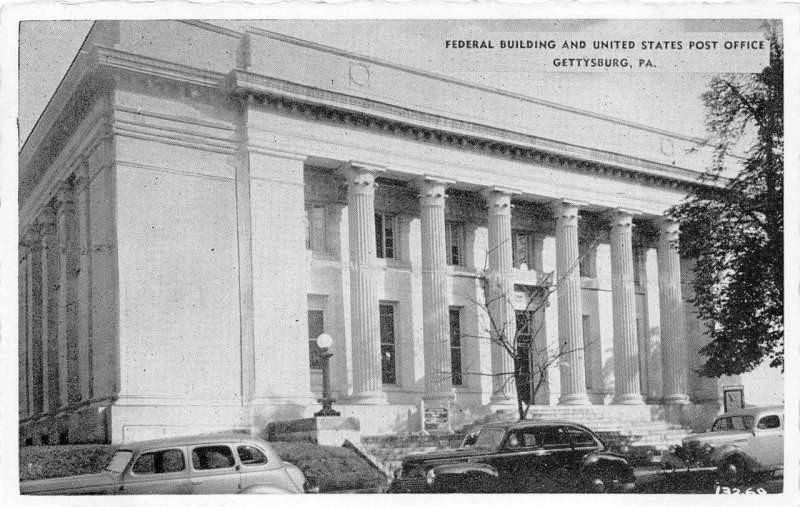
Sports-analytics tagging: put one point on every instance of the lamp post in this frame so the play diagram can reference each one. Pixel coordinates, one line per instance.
(324, 342)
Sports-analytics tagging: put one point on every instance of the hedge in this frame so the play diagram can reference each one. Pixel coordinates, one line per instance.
(333, 468)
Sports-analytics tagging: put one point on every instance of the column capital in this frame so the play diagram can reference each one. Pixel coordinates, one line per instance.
(432, 190)
(622, 217)
(499, 198)
(64, 196)
(566, 211)
(360, 175)
(668, 225)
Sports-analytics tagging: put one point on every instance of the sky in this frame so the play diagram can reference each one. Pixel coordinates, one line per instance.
(670, 101)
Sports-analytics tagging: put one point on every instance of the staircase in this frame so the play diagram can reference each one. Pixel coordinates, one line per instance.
(640, 428)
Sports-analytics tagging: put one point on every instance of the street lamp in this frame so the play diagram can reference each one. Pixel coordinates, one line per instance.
(324, 342)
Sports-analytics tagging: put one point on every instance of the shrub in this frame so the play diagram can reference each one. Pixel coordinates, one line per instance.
(48, 461)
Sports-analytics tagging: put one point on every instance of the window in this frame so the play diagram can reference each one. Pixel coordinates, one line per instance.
(581, 438)
(769, 422)
(388, 349)
(455, 346)
(551, 437)
(637, 265)
(160, 462)
(119, 461)
(250, 455)
(317, 224)
(385, 236)
(211, 457)
(523, 249)
(525, 332)
(316, 326)
(455, 236)
(588, 371)
(586, 259)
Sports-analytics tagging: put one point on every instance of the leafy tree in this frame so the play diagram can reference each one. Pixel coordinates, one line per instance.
(733, 227)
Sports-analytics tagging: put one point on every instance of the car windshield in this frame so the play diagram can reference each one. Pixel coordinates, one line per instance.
(119, 461)
(734, 423)
(489, 438)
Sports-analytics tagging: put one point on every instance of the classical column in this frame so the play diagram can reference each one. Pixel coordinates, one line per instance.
(49, 335)
(673, 326)
(34, 320)
(570, 306)
(435, 314)
(69, 386)
(84, 289)
(503, 325)
(367, 383)
(22, 327)
(623, 297)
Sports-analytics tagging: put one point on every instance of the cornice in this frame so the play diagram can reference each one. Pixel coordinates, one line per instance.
(357, 112)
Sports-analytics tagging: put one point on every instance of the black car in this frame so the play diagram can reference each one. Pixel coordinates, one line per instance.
(521, 457)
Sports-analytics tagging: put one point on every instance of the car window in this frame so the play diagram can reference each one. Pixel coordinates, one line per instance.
(552, 437)
(160, 462)
(722, 424)
(119, 461)
(250, 455)
(211, 457)
(581, 438)
(769, 422)
(489, 438)
(742, 422)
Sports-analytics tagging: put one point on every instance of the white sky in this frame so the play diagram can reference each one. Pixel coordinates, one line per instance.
(670, 101)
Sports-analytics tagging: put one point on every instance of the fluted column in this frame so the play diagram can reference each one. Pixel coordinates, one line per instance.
(503, 325)
(34, 320)
(69, 386)
(435, 315)
(570, 305)
(22, 300)
(84, 288)
(673, 324)
(367, 384)
(623, 297)
(49, 334)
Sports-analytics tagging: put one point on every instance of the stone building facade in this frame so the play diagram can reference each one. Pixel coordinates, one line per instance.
(198, 203)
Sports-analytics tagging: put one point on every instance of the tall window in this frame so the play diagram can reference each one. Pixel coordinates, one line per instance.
(525, 334)
(588, 363)
(455, 346)
(317, 222)
(586, 259)
(316, 326)
(455, 243)
(637, 265)
(388, 347)
(385, 236)
(523, 249)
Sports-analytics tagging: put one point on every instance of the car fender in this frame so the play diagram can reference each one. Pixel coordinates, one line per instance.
(462, 469)
(729, 451)
(607, 461)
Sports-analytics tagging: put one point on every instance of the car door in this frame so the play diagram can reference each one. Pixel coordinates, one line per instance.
(554, 466)
(157, 472)
(583, 444)
(213, 470)
(766, 446)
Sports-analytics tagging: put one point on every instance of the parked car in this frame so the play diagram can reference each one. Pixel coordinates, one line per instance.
(739, 443)
(206, 464)
(525, 456)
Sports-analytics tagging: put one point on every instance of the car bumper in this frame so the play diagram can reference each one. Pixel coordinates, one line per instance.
(409, 486)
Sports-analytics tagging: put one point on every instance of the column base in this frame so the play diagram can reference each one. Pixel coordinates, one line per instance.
(368, 398)
(628, 399)
(676, 399)
(574, 399)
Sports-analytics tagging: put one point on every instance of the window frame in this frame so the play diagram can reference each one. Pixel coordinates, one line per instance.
(457, 230)
(185, 468)
(393, 344)
(261, 451)
(313, 348)
(327, 247)
(380, 235)
(216, 469)
(530, 238)
(455, 313)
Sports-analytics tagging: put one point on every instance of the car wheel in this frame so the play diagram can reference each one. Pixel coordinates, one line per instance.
(596, 481)
(732, 471)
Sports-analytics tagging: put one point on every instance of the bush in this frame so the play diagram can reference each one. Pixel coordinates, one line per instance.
(333, 468)
(48, 461)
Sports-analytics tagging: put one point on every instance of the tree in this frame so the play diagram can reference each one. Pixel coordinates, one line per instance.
(733, 227)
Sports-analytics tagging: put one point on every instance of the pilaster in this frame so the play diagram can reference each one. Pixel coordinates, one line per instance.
(570, 305)
(22, 327)
(673, 327)
(436, 323)
(626, 349)
(34, 320)
(367, 384)
(84, 285)
(49, 280)
(67, 311)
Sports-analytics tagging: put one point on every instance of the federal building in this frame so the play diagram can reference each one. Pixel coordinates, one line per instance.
(199, 201)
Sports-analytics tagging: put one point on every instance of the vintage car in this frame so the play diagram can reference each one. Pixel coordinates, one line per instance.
(526, 456)
(739, 444)
(206, 464)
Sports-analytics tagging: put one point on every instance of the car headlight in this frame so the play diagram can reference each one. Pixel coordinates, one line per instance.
(430, 476)
(707, 448)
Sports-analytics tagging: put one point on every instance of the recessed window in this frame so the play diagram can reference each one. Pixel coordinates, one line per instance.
(455, 243)
(385, 236)
(317, 227)
(316, 326)
(388, 345)
(523, 249)
(524, 343)
(455, 346)
(160, 462)
(587, 254)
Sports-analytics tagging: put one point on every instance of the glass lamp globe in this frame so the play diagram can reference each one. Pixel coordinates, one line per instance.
(324, 341)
